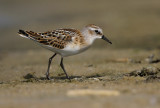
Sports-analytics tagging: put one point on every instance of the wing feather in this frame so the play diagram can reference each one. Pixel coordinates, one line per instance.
(56, 38)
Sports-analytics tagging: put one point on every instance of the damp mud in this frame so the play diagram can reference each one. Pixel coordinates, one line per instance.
(23, 82)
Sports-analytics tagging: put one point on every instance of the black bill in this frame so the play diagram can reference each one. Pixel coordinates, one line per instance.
(104, 38)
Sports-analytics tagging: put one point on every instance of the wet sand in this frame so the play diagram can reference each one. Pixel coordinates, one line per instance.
(23, 83)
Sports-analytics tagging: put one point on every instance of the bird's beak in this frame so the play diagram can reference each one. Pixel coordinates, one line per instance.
(104, 38)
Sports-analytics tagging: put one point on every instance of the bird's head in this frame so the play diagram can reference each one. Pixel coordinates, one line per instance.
(95, 32)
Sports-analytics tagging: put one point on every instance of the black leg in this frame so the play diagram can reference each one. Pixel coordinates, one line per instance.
(62, 66)
(49, 63)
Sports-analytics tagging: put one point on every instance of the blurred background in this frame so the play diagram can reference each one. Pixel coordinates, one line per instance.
(133, 26)
(127, 23)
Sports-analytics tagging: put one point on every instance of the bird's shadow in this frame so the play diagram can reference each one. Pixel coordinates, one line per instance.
(31, 77)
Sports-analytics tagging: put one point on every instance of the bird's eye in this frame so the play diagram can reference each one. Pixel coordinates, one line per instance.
(97, 32)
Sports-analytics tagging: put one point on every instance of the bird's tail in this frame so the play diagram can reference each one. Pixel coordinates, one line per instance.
(23, 33)
(29, 34)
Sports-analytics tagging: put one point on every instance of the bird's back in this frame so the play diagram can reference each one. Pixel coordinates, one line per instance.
(59, 41)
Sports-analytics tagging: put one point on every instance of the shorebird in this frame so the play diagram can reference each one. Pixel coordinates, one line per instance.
(65, 42)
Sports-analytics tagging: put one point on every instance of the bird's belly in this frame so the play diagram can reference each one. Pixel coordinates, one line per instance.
(68, 51)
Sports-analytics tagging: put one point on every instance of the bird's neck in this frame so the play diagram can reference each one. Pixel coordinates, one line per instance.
(89, 39)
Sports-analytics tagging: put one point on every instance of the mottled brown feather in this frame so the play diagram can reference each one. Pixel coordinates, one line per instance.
(57, 38)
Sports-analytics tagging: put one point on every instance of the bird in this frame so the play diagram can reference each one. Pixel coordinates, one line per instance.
(65, 41)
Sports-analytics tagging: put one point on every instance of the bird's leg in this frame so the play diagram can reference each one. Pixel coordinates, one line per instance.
(49, 63)
(62, 66)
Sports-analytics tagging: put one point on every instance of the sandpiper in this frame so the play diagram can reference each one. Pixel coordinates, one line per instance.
(66, 42)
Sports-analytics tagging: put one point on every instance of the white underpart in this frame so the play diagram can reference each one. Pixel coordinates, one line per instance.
(72, 49)
(23, 36)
